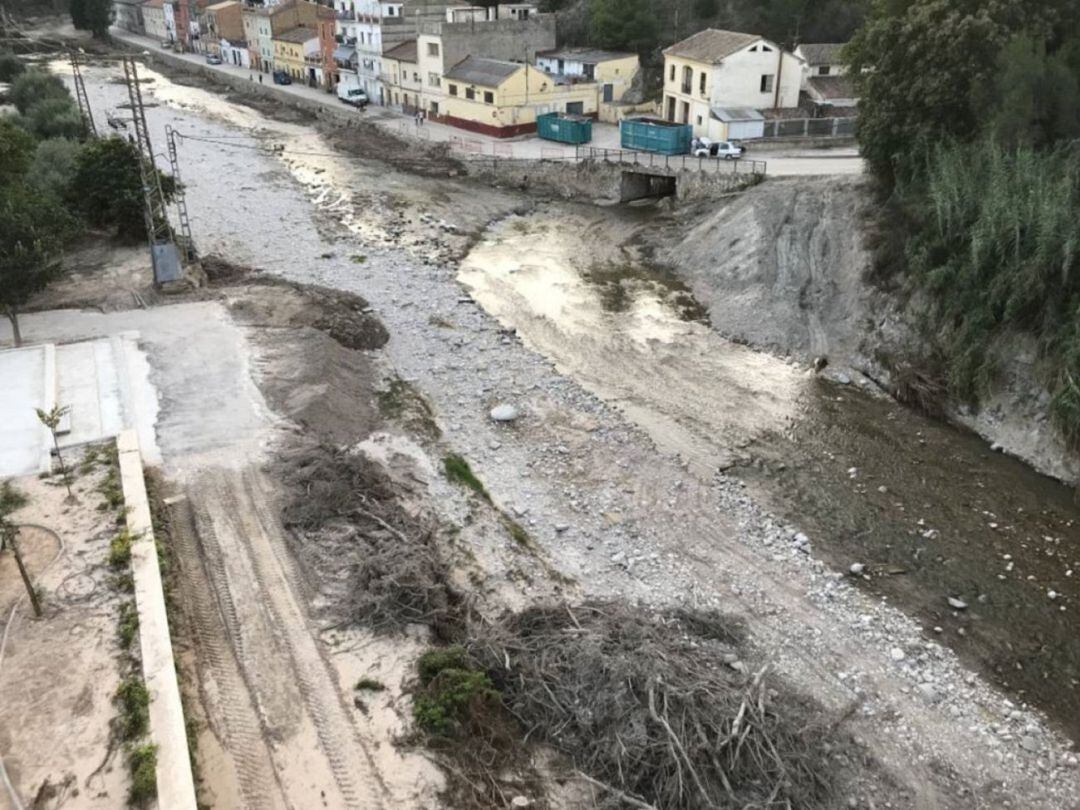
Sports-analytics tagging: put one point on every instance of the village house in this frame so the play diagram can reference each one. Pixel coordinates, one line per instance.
(503, 99)
(128, 14)
(158, 20)
(726, 69)
(825, 78)
(256, 20)
(224, 28)
(401, 76)
(296, 52)
(614, 75)
(289, 14)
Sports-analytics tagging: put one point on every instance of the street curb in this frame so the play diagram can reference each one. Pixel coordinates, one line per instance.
(175, 782)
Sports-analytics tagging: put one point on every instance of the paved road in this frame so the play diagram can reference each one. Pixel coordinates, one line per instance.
(788, 161)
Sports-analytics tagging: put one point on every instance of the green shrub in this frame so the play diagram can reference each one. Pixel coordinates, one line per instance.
(134, 702)
(458, 470)
(120, 550)
(452, 692)
(129, 624)
(142, 761)
(370, 685)
(11, 67)
(34, 86)
(53, 118)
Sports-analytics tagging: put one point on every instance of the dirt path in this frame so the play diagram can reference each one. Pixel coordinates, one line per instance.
(314, 747)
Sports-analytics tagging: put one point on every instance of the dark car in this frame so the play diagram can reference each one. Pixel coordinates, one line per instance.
(281, 77)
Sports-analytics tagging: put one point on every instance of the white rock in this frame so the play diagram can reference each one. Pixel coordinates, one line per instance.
(897, 654)
(504, 413)
(857, 569)
(958, 604)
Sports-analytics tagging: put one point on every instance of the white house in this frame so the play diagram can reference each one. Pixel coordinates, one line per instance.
(715, 69)
(235, 53)
(825, 78)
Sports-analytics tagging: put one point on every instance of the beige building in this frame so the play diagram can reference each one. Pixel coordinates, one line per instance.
(401, 76)
(223, 21)
(716, 69)
(503, 99)
(155, 22)
(615, 76)
(296, 52)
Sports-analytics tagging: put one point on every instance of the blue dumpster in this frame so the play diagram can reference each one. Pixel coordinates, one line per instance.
(564, 128)
(655, 135)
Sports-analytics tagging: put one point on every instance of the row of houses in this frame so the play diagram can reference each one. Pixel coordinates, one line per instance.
(725, 84)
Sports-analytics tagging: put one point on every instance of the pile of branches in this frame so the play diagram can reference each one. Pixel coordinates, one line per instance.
(656, 710)
(347, 514)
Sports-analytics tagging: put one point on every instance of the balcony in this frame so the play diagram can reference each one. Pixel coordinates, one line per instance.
(346, 15)
(687, 88)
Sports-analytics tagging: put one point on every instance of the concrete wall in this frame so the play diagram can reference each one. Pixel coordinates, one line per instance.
(514, 40)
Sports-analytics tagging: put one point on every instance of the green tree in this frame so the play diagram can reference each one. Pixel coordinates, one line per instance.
(54, 117)
(92, 15)
(32, 234)
(1037, 95)
(629, 25)
(107, 187)
(11, 67)
(53, 167)
(16, 151)
(35, 86)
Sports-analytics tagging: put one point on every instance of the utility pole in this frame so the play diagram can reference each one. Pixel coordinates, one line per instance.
(89, 130)
(163, 254)
(187, 243)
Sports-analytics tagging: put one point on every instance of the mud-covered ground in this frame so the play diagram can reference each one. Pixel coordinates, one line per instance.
(613, 465)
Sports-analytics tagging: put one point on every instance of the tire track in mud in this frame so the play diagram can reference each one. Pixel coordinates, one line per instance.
(240, 515)
(214, 617)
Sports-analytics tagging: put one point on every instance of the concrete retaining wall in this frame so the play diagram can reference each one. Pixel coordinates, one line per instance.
(597, 180)
(175, 784)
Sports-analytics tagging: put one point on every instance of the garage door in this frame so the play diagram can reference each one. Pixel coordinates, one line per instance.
(575, 108)
(744, 130)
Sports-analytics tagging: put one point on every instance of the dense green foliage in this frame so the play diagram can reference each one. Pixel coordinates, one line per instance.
(107, 187)
(11, 67)
(450, 692)
(92, 15)
(34, 86)
(969, 118)
(644, 26)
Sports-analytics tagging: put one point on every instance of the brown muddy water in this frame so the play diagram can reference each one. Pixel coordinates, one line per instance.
(928, 510)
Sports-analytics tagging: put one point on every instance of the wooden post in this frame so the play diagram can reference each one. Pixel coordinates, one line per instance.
(11, 532)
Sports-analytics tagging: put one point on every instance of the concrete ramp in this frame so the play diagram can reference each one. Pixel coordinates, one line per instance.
(102, 381)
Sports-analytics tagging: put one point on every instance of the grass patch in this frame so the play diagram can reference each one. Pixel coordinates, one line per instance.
(10, 498)
(134, 702)
(109, 488)
(142, 761)
(129, 624)
(401, 402)
(451, 693)
(358, 258)
(120, 549)
(519, 533)
(369, 685)
(458, 471)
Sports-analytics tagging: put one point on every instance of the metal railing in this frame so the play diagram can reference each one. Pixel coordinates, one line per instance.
(670, 163)
(810, 128)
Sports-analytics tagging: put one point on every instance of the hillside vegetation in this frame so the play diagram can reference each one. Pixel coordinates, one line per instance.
(970, 119)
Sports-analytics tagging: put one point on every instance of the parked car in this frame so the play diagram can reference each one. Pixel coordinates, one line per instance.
(166, 44)
(213, 59)
(352, 95)
(728, 150)
(281, 77)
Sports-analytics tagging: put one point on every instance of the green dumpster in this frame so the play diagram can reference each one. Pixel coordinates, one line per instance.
(564, 128)
(655, 135)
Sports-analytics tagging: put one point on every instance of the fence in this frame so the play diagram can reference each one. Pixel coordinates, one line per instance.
(810, 128)
(671, 163)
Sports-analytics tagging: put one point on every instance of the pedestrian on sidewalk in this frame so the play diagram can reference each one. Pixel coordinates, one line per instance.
(260, 78)
(416, 118)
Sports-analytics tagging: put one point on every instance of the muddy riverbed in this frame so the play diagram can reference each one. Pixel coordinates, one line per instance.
(643, 431)
(927, 511)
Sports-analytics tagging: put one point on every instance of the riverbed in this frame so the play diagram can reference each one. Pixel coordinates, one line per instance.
(687, 467)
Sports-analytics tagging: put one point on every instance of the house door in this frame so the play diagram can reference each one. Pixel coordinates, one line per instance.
(575, 108)
(671, 109)
(609, 93)
(685, 112)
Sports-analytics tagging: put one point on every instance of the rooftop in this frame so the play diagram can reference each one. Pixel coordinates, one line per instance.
(484, 72)
(154, 4)
(826, 53)
(589, 56)
(711, 45)
(729, 114)
(403, 51)
(222, 5)
(300, 34)
(832, 87)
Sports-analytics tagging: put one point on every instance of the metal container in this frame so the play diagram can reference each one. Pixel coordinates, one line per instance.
(655, 135)
(564, 128)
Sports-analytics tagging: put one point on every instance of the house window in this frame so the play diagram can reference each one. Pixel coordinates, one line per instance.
(699, 120)
(433, 49)
(470, 94)
(687, 79)
(452, 88)
(671, 77)
(701, 82)
(823, 70)
(766, 49)
(433, 79)
(489, 97)
(416, 77)
(767, 82)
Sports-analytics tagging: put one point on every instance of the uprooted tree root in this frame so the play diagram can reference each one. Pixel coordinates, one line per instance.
(655, 710)
(397, 575)
(650, 709)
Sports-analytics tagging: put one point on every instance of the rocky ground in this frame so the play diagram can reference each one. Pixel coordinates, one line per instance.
(606, 504)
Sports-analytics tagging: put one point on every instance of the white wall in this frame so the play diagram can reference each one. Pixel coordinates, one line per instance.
(736, 82)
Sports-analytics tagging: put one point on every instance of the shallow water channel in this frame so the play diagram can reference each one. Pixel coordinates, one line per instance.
(928, 510)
